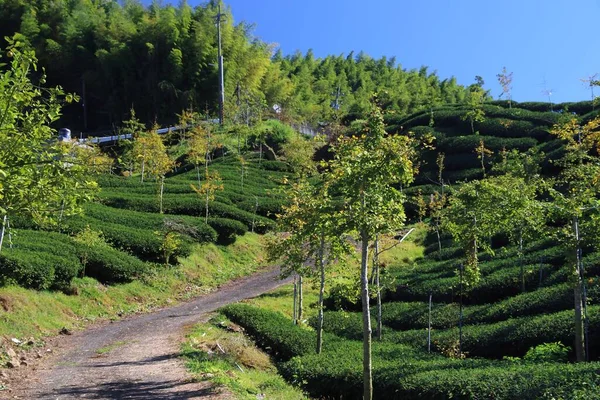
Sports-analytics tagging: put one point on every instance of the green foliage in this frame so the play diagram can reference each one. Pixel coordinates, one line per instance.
(109, 265)
(171, 241)
(415, 315)
(37, 270)
(272, 330)
(465, 144)
(274, 133)
(39, 177)
(265, 207)
(412, 376)
(46, 260)
(547, 352)
(475, 112)
(193, 227)
(364, 171)
(404, 371)
(173, 49)
(227, 229)
(187, 205)
(138, 241)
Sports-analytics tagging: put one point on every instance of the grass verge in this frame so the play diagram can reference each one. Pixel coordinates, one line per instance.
(219, 352)
(28, 313)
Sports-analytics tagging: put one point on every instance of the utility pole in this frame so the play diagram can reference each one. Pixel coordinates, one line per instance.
(221, 75)
(336, 102)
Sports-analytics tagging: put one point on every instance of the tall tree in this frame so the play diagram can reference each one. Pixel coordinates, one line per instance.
(575, 203)
(521, 183)
(365, 171)
(156, 160)
(472, 218)
(39, 176)
(311, 232)
(482, 154)
(207, 189)
(475, 98)
(505, 80)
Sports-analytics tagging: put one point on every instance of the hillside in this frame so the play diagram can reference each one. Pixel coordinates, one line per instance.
(516, 335)
(119, 243)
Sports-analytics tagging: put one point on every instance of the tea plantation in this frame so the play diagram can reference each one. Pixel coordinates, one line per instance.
(122, 235)
(515, 339)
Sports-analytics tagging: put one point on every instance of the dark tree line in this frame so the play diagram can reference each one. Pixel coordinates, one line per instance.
(161, 59)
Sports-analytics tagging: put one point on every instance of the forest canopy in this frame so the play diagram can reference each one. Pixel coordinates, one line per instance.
(162, 59)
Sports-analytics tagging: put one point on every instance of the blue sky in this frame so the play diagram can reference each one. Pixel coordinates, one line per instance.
(547, 44)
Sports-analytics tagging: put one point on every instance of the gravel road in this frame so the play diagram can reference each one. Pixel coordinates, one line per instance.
(135, 358)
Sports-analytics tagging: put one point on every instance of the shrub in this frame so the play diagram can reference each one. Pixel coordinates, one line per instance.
(36, 270)
(193, 227)
(276, 133)
(143, 243)
(537, 106)
(191, 206)
(512, 337)
(272, 330)
(461, 161)
(402, 372)
(40, 260)
(467, 144)
(504, 381)
(275, 166)
(264, 207)
(547, 352)
(109, 265)
(227, 229)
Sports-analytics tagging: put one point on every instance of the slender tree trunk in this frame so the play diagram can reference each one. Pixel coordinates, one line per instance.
(378, 287)
(460, 316)
(255, 211)
(10, 242)
(143, 163)
(143, 169)
(579, 336)
(429, 325)
(206, 205)
(3, 231)
(321, 294)
(60, 215)
(521, 261)
(260, 154)
(300, 298)
(162, 189)
(439, 240)
(373, 271)
(295, 302)
(198, 176)
(364, 281)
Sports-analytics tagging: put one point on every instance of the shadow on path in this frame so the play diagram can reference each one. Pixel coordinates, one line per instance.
(119, 389)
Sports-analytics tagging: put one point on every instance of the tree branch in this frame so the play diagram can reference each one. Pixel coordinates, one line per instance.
(397, 243)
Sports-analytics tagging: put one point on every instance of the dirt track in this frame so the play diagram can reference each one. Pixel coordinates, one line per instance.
(136, 358)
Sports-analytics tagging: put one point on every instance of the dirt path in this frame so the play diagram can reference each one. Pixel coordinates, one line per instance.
(136, 358)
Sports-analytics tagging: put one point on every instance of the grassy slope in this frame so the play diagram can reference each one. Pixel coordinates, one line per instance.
(38, 313)
(213, 351)
(30, 313)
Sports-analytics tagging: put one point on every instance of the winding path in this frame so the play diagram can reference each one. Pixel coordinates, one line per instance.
(136, 358)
